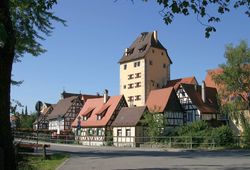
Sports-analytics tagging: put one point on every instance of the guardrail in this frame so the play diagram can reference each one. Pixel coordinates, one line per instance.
(130, 141)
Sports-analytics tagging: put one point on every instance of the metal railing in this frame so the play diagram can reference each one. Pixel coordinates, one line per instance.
(130, 141)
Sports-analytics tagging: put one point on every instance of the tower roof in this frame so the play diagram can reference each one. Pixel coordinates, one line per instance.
(141, 45)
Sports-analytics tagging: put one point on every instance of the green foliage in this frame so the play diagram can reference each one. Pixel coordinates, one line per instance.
(30, 162)
(155, 123)
(197, 128)
(32, 20)
(234, 81)
(26, 121)
(223, 136)
(206, 12)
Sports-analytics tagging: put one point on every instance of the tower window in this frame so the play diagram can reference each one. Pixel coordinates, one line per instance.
(138, 84)
(164, 65)
(124, 86)
(137, 75)
(130, 76)
(137, 64)
(138, 97)
(125, 66)
(130, 86)
(150, 62)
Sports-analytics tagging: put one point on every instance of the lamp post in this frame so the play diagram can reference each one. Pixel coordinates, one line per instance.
(38, 107)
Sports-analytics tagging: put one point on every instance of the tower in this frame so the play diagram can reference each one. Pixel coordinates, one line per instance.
(144, 66)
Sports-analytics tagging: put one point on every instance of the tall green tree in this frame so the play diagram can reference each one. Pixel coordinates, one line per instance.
(26, 111)
(207, 12)
(234, 81)
(22, 25)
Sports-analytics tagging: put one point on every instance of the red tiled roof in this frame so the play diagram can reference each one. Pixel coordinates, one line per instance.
(176, 82)
(209, 80)
(96, 106)
(210, 106)
(161, 99)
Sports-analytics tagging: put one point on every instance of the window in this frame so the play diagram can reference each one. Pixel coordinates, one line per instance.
(125, 66)
(138, 97)
(130, 86)
(157, 85)
(137, 64)
(137, 75)
(128, 132)
(161, 53)
(130, 98)
(142, 48)
(99, 117)
(119, 132)
(98, 132)
(137, 84)
(130, 76)
(124, 86)
(84, 118)
(153, 51)
(150, 62)
(164, 65)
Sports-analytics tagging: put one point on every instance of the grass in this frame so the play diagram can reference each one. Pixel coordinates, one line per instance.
(36, 162)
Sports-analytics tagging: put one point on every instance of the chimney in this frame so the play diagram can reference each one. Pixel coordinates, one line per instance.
(105, 96)
(155, 36)
(97, 94)
(203, 91)
(126, 51)
(62, 94)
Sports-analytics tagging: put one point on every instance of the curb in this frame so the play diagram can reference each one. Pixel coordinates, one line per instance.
(62, 164)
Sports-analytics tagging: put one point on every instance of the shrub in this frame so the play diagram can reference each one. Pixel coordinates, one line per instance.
(223, 136)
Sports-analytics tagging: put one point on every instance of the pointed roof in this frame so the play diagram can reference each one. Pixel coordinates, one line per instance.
(163, 99)
(96, 106)
(140, 47)
(61, 108)
(209, 77)
(176, 82)
(194, 92)
(129, 116)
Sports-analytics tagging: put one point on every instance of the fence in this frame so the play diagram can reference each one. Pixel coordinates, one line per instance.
(130, 141)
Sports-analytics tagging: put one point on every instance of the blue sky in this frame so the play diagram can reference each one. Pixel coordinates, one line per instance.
(83, 56)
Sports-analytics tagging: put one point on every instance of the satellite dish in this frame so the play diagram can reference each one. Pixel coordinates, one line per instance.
(38, 106)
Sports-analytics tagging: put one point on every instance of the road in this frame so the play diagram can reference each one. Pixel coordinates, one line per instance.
(104, 158)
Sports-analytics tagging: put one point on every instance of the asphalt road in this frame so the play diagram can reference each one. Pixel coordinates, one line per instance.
(105, 158)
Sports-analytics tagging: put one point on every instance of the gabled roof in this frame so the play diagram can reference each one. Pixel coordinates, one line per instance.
(129, 116)
(176, 82)
(97, 106)
(163, 99)
(140, 47)
(194, 92)
(209, 77)
(65, 94)
(61, 108)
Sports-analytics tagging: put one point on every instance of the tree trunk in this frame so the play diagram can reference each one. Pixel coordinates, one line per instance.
(6, 61)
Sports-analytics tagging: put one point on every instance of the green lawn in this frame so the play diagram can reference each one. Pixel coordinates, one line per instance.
(34, 162)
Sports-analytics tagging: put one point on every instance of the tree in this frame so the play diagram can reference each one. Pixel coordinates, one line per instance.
(234, 82)
(207, 12)
(26, 111)
(22, 24)
(156, 125)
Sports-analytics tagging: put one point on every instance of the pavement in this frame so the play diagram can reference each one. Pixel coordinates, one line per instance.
(114, 158)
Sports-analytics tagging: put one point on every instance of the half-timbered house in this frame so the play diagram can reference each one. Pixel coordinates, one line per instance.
(128, 130)
(93, 124)
(165, 102)
(199, 103)
(66, 110)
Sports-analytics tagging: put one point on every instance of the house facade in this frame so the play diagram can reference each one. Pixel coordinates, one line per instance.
(127, 128)
(165, 102)
(198, 102)
(144, 66)
(93, 124)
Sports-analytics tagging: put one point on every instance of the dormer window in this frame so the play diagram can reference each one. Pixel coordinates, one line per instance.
(99, 117)
(84, 118)
(142, 48)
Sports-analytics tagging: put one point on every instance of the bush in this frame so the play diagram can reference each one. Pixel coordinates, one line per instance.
(223, 136)
(197, 128)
